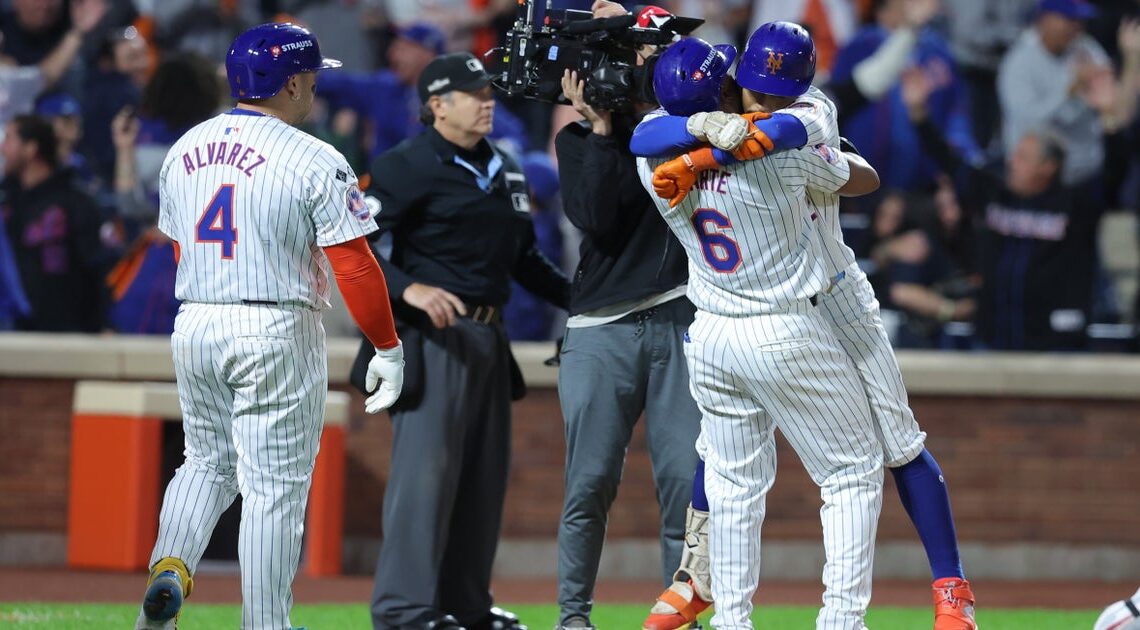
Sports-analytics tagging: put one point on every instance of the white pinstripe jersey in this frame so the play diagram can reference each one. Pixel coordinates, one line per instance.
(251, 200)
(816, 111)
(749, 231)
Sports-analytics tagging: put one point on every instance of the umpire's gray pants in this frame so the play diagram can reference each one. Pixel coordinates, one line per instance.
(444, 500)
(609, 375)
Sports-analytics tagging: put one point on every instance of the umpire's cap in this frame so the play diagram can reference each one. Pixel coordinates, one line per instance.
(263, 58)
(454, 71)
(689, 74)
(779, 59)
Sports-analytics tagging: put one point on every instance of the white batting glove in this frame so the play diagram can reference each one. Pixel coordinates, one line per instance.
(385, 378)
(722, 130)
(696, 125)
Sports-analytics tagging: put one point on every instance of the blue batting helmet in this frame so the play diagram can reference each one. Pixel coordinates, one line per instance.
(689, 74)
(263, 58)
(779, 59)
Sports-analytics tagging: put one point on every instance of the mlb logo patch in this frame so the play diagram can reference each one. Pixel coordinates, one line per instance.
(230, 130)
(356, 204)
(830, 155)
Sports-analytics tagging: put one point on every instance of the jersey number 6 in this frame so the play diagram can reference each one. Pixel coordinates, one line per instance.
(721, 252)
(216, 224)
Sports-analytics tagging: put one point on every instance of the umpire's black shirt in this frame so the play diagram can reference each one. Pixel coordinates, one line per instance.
(460, 221)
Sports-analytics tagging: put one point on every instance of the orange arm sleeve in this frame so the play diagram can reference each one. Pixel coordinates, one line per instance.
(177, 252)
(365, 292)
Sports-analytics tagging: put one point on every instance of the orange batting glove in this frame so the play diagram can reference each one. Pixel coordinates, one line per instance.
(674, 179)
(752, 117)
(756, 144)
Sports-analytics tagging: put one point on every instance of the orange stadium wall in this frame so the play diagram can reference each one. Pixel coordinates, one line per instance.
(1041, 454)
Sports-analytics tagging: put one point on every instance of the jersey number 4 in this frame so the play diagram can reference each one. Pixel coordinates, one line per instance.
(720, 251)
(216, 225)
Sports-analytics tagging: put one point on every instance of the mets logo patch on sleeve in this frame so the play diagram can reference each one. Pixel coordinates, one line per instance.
(827, 153)
(356, 204)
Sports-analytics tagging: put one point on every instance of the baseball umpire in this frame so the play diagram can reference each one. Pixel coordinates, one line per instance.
(458, 211)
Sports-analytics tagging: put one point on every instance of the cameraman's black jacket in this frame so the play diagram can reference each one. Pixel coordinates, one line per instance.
(627, 250)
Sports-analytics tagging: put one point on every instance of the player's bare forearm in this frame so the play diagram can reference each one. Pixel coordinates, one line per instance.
(864, 178)
(922, 300)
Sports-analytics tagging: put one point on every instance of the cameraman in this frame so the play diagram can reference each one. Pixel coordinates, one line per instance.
(623, 352)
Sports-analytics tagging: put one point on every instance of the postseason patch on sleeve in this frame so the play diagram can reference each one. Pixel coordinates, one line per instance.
(356, 204)
(830, 155)
(341, 175)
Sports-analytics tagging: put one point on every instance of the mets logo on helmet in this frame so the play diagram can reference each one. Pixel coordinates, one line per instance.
(775, 61)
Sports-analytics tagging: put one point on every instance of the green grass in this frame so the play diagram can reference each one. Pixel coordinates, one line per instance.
(538, 617)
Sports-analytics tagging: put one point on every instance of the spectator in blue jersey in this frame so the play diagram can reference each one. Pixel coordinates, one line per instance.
(62, 110)
(881, 129)
(527, 316)
(388, 99)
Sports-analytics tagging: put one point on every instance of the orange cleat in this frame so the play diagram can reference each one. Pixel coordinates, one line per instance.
(953, 605)
(676, 608)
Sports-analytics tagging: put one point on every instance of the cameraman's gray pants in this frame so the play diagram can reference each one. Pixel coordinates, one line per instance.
(608, 376)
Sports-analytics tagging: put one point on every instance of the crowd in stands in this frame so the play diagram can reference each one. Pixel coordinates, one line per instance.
(1003, 133)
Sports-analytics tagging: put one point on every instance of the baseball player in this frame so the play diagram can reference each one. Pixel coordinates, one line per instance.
(851, 309)
(258, 210)
(760, 356)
